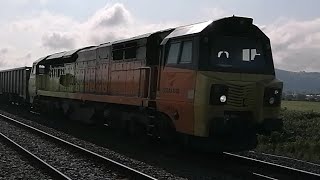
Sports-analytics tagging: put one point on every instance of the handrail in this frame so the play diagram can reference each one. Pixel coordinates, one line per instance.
(149, 85)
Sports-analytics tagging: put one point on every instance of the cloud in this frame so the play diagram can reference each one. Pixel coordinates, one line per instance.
(44, 33)
(24, 60)
(296, 44)
(114, 23)
(3, 56)
(57, 41)
(215, 13)
(111, 16)
(9, 60)
(3, 51)
(23, 2)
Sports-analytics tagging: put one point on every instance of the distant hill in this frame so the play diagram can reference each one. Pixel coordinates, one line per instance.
(307, 82)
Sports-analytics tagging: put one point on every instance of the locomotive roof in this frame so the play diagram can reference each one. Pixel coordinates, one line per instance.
(104, 45)
(133, 38)
(39, 60)
(88, 49)
(136, 37)
(70, 53)
(64, 56)
(187, 30)
(199, 27)
(56, 55)
(67, 54)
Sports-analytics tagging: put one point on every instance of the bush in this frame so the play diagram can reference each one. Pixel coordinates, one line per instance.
(300, 137)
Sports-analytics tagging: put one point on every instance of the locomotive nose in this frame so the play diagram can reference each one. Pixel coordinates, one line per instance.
(235, 104)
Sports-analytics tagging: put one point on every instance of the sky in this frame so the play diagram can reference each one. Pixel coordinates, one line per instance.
(31, 29)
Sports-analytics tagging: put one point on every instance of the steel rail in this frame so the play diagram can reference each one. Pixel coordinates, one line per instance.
(293, 172)
(131, 171)
(53, 171)
(284, 157)
(260, 176)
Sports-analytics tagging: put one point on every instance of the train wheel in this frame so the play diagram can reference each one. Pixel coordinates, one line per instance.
(165, 128)
(129, 128)
(137, 131)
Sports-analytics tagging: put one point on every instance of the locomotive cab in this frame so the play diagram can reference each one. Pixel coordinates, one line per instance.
(218, 80)
(37, 69)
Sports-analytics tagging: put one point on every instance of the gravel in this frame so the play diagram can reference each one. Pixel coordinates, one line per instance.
(159, 162)
(285, 161)
(71, 164)
(151, 158)
(138, 165)
(15, 166)
(155, 160)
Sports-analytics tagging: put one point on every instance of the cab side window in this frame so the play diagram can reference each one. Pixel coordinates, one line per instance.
(180, 53)
(173, 54)
(186, 54)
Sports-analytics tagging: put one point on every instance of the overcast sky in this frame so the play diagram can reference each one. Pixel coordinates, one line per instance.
(30, 29)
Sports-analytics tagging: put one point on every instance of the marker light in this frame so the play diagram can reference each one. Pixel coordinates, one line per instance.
(223, 98)
(271, 100)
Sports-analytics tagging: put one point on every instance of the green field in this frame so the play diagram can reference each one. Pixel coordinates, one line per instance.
(300, 137)
(301, 106)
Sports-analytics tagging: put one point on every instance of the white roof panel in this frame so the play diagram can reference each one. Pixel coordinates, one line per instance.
(187, 30)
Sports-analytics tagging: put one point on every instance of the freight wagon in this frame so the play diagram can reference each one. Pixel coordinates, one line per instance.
(14, 84)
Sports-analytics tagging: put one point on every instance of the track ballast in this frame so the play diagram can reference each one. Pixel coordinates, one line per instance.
(116, 168)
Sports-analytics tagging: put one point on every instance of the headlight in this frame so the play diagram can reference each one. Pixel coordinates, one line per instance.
(272, 96)
(271, 101)
(223, 98)
(218, 94)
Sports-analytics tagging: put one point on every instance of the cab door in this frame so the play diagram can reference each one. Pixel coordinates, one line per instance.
(32, 84)
(177, 83)
(177, 75)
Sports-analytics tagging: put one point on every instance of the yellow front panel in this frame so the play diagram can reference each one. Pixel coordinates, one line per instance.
(245, 94)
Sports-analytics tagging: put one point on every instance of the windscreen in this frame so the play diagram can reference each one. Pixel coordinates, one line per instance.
(238, 54)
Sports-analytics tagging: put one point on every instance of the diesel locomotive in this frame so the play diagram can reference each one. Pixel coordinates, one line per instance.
(212, 84)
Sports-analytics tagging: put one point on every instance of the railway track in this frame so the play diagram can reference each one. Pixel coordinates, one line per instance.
(53, 172)
(267, 170)
(248, 167)
(284, 158)
(127, 172)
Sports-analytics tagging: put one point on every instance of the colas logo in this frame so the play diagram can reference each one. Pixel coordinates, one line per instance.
(171, 78)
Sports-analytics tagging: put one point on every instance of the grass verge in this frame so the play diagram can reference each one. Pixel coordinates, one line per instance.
(301, 106)
(300, 137)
